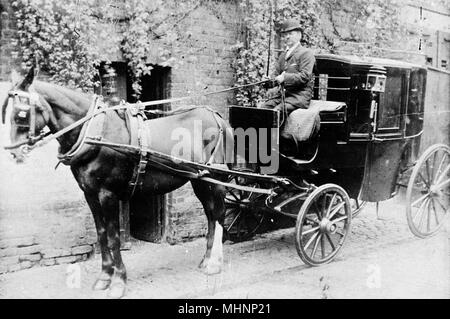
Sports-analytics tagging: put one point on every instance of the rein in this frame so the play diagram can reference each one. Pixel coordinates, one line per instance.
(44, 138)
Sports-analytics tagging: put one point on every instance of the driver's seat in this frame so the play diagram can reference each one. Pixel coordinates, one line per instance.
(300, 133)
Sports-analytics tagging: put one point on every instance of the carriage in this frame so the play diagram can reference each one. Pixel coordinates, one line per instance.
(362, 145)
(371, 122)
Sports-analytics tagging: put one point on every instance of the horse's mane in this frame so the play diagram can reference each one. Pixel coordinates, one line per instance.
(70, 100)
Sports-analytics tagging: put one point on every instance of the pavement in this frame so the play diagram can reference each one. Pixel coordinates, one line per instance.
(381, 259)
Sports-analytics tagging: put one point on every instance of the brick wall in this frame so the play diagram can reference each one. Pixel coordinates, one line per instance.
(213, 33)
(7, 31)
(44, 219)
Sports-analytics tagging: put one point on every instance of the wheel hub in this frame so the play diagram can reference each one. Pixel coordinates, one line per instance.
(434, 191)
(327, 226)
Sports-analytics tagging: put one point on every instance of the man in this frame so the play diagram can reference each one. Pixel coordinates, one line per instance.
(294, 69)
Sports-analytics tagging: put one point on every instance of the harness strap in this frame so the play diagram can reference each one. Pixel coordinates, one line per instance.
(220, 141)
(140, 169)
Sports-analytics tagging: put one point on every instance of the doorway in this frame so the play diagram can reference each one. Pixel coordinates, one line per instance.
(147, 213)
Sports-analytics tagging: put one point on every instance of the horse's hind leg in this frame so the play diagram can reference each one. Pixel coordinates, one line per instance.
(110, 207)
(104, 280)
(211, 196)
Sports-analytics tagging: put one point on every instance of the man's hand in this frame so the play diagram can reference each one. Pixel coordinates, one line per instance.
(269, 82)
(273, 92)
(280, 78)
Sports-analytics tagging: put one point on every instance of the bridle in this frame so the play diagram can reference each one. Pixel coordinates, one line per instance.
(27, 110)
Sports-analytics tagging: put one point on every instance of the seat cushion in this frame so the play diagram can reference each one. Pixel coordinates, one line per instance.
(302, 124)
(326, 106)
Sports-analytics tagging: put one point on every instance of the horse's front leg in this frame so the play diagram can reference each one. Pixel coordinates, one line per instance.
(104, 280)
(110, 207)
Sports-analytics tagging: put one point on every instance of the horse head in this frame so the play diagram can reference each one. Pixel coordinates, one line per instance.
(30, 114)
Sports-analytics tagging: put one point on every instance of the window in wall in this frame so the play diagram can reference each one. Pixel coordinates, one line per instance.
(429, 61)
(444, 64)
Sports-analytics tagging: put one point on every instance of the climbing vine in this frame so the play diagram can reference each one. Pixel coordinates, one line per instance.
(354, 26)
(66, 37)
(361, 27)
(152, 31)
(62, 38)
(262, 19)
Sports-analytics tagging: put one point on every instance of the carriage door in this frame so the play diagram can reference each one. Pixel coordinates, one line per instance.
(392, 104)
(385, 153)
(147, 213)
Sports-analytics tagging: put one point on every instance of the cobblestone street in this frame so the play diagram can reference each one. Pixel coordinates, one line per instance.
(381, 259)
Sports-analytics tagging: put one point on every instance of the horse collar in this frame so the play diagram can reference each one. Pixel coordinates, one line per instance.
(67, 157)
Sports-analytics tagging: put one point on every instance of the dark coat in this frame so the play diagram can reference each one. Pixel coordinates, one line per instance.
(299, 77)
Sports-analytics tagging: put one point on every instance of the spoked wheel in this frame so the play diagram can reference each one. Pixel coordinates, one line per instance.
(428, 192)
(323, 224)
(241, 221)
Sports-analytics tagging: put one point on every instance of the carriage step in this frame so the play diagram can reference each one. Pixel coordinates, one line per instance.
(298, 161)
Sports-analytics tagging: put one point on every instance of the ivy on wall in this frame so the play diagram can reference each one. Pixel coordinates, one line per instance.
(66, 36)
(355, 26)
(152, 31)
(262, 18)
(361, 27)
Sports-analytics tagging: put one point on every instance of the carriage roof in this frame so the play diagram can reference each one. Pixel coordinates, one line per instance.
(357, 60)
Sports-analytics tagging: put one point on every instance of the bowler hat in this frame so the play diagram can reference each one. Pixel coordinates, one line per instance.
(291, 25)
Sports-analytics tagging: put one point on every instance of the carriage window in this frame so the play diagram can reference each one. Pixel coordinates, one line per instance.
(414, 113)
(391, 103)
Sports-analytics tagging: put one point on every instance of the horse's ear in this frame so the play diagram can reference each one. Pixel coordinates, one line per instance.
(4, 106)
(15, 77)
(28, 79)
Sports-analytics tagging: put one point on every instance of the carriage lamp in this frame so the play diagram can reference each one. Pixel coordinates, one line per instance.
(372, 82)
(376, 82)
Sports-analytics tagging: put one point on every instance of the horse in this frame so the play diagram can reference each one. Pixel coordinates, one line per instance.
(103, 174)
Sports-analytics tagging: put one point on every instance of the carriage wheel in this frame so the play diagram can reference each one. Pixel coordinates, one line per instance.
(428, 192)
(323, 224)
(241, 221)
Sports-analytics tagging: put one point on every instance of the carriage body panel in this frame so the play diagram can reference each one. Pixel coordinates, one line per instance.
(367, 142)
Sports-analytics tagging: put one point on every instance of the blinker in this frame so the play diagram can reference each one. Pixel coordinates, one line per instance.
(22, 114)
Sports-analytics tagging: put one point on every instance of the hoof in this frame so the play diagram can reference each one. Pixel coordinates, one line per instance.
(202, 264)
(212, 268)
(101, 284)
(117, 290)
